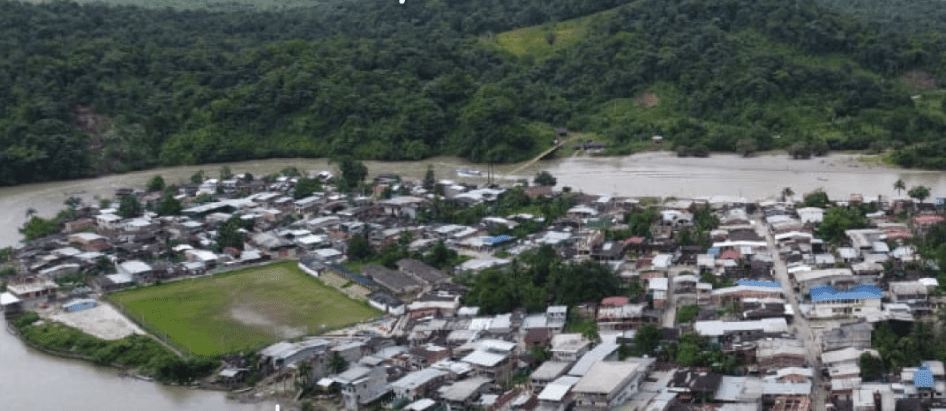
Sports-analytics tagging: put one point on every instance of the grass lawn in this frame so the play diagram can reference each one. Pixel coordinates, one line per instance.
(243, 309)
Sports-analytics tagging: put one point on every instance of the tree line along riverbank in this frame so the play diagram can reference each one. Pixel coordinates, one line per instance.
(137, 354)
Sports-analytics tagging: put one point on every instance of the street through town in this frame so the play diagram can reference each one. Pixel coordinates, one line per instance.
(799, 322)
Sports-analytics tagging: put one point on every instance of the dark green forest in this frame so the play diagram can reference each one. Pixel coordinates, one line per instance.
(91, 89)
(916, 16)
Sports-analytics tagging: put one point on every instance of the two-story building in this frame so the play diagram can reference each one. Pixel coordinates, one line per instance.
(607, 385)
(569, 347)
(860, 300)
(360, 385)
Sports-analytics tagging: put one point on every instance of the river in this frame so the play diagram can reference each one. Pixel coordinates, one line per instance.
(31, 380)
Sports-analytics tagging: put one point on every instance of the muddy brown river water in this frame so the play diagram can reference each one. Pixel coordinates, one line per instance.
(33, 381)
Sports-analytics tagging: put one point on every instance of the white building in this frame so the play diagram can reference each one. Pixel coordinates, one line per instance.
(607, 385)
(569, 347)
(361, 385)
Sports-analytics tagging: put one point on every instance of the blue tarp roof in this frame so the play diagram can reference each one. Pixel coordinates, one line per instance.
(861, 292)
(923, 378)
(498, 239)
(713, 251)
(756, 283)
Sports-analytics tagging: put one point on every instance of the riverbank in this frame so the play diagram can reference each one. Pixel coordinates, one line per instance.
(657, 173)
(135, 354)
(38, 379)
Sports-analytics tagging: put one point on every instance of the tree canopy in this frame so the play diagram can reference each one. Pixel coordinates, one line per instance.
(156, 183)
(129, 206)
(540, 277)
(837, 220)
(545, 179)
(306, 186)
(38, 227)
(91, 88)
(919, 192)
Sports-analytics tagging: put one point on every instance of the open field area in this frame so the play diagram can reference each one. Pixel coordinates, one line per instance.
(244, 309)
(102, 321)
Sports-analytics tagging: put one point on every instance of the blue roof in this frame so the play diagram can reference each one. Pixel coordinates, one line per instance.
(713, 251)
(923, 378)
(498, 239)
(861, 292)
(759, 283)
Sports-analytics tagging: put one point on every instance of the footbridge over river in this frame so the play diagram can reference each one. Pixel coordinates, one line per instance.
(558, 144)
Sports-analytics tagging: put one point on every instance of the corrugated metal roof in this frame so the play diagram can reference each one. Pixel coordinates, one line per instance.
(759, 283)
(861, 292)
(923, 378)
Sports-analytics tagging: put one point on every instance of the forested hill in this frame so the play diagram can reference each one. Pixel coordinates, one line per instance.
(89, 89)
(916, 16)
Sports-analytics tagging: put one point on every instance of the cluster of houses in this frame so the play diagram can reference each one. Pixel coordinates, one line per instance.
(763, 271)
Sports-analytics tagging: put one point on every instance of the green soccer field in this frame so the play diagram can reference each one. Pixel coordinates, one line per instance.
(245, 309)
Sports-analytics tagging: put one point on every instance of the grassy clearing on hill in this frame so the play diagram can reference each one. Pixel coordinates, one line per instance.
(245, 309)
(215, 5)
(535, 41)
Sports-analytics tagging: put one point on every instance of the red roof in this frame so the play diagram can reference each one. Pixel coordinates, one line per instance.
(730, 255)
(927, 219)
(614, 301)
(634, 240)
(897, 233)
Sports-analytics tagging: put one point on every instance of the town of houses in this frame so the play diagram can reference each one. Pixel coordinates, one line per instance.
(795, 312)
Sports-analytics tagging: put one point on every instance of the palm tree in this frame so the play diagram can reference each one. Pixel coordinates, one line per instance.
(787, 193)
(303, 373)
(337, 363)
(899, 185)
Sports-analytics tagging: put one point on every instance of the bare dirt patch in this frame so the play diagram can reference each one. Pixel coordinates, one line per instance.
(647, 100)
(102, 321)
(249, 316)
(919, 80)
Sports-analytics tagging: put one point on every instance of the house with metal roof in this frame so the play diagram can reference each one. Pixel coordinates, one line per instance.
(602, 352)
(557, 395)
(361, 385)
(395, 281)
(569, 347)
(856, 335)
(418, 383)
(421, 271)
(845, 356)
(860, 300)
(491, 358)
(464, 393)
(745, 290)
(285, 353)
(547, 372)
(926, 381)
(717, 329)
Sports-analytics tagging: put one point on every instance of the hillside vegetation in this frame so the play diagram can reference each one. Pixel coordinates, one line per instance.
(916, 16)
(91, 89)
